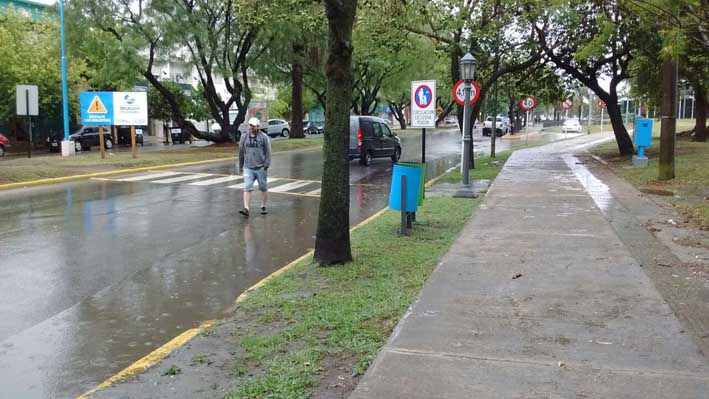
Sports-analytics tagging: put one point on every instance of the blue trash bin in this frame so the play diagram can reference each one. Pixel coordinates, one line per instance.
(643, 135)
(414, 177)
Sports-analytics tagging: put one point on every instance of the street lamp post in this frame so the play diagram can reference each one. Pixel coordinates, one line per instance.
(467, 71)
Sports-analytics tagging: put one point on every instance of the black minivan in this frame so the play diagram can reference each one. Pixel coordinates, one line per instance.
(371, 137)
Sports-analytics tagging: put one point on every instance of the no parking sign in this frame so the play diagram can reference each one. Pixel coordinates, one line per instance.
(423, 103)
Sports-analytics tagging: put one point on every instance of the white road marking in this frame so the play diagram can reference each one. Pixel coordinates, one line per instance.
(240, 186)
(289, 186)
(149, 176)
(181, 178)
(216, 180)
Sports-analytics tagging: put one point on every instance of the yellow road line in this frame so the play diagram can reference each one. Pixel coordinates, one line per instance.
(151, 359)
(109, 173)
(162, 352)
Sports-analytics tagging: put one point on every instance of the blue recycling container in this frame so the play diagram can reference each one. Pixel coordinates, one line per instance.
(414, 180)
(643, 132)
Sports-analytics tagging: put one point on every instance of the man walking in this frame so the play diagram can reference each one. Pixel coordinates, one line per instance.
(254, 160)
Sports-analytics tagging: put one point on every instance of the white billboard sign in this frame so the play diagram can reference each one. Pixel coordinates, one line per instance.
(130, 108)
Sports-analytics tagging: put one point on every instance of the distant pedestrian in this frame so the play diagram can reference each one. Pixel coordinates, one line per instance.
(254, 160)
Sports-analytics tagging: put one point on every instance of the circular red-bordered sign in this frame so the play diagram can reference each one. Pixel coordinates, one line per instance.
(528, 103)
(601, 104)
(423, 96)
(567, 104)
(459, 92)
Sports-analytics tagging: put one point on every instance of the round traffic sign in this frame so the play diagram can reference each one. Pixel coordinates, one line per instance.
(459, 92)
(423, 95)
(528, 103)
(601, 104)
(567, 103)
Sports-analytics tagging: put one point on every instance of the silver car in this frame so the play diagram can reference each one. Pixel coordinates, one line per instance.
(276, 127)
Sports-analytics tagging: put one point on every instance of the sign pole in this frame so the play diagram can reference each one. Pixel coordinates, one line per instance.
(526, 131)
(601, 119)
(132, 140)
(566, 116)
(423, 145)
(29, 124)
(100, 142)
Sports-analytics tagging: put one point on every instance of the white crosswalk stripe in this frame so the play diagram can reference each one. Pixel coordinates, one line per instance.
(179, 179)
(240, 186)
(217, 180)
(149, 176)
(289, 186)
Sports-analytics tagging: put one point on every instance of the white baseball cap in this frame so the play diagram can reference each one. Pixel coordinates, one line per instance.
(254, 122)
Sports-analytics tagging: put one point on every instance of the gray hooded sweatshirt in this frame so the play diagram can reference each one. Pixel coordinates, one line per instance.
(254, 151)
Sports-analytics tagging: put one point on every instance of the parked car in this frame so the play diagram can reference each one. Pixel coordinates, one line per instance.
(320, 126)
(572, 125)
(310, 128)
(4, 143)
(370, 138)
(177, 135)
(502, 126)
(276, 127)
(123, 136)
(83, 139)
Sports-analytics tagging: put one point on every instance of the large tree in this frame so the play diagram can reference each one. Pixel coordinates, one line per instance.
(457, 27)
(29, 54)
(679, 33)
(332, 243)
(592, 41)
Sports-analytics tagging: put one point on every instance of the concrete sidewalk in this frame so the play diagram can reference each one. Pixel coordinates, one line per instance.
(538, 298)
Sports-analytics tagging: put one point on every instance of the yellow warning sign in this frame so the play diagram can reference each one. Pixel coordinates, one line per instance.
(96, 106)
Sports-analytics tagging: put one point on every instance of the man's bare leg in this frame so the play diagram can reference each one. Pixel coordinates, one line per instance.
(264, 197)
(247, 199)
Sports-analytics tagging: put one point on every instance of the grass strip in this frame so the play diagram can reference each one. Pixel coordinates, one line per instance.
(690, 186)
(45, 167)
(313, 317)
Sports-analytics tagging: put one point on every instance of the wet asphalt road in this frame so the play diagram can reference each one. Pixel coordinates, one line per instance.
(98, 273)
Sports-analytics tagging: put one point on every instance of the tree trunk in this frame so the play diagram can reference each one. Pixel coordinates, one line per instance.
(332, 242)
(622, 138)
(667, 133)
(399, 113)
(296, 123)
(700, 100)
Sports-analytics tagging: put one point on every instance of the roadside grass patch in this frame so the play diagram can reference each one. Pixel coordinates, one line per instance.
(486, 168)
(171, 371)
(690, 186)
(348, 311)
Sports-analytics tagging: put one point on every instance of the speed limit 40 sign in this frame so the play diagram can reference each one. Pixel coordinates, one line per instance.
(459, 92)
(528, 103)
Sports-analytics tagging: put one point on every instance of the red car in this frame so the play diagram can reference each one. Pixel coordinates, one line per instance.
(4, 143)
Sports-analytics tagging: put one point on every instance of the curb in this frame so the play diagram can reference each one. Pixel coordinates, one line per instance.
(64, 179)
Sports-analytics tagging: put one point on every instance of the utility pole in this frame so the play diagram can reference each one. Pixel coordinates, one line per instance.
(669, 114)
